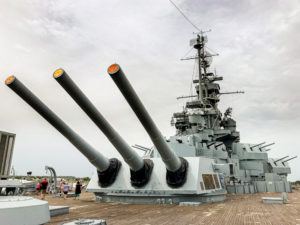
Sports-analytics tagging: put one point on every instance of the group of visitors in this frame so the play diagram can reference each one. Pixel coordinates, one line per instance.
(64, 188)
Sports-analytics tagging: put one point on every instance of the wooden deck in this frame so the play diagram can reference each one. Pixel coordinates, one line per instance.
(236, 210)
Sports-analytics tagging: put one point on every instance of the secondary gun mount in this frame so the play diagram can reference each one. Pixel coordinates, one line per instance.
(176, 166)
(107, 169)
(140, 169)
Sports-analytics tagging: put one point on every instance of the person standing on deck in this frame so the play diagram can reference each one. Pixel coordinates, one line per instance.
(44, 185)
(61, 184)
(65, 189)
(78, 188)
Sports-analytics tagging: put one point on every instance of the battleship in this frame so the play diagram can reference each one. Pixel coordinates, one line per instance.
(201, 163)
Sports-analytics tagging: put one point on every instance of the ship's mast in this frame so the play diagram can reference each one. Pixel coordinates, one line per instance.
(198, 46)
(201, 111)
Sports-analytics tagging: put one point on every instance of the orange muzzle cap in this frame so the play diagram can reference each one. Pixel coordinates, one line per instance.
(114, 68)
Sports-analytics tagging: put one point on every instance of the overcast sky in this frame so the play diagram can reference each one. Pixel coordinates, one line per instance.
(258, 43)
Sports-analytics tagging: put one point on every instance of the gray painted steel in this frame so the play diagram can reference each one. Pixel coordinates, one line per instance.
(129, 155)
(58, 210)
(275, 200)
(171, 160)
(162, 199)
(94, 156)
(17, 210)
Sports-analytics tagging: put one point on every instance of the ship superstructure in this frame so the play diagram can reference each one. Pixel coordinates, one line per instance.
(202, 130)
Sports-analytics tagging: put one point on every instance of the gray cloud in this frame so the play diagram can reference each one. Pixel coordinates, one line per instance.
(259, 53)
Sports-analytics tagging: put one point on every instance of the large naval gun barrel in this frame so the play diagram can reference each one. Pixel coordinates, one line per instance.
(107, 168)
(140, 169)
(176, 167)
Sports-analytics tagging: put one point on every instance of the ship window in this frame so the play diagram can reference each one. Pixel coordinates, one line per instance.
(208, 181)
(216, 178)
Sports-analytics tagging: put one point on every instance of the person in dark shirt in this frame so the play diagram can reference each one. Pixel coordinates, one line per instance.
(44, 185)
(78, 188)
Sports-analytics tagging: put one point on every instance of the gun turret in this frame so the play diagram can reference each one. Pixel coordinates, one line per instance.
(176, 167)
(277, 160)
(140, 169)
(107, 168)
